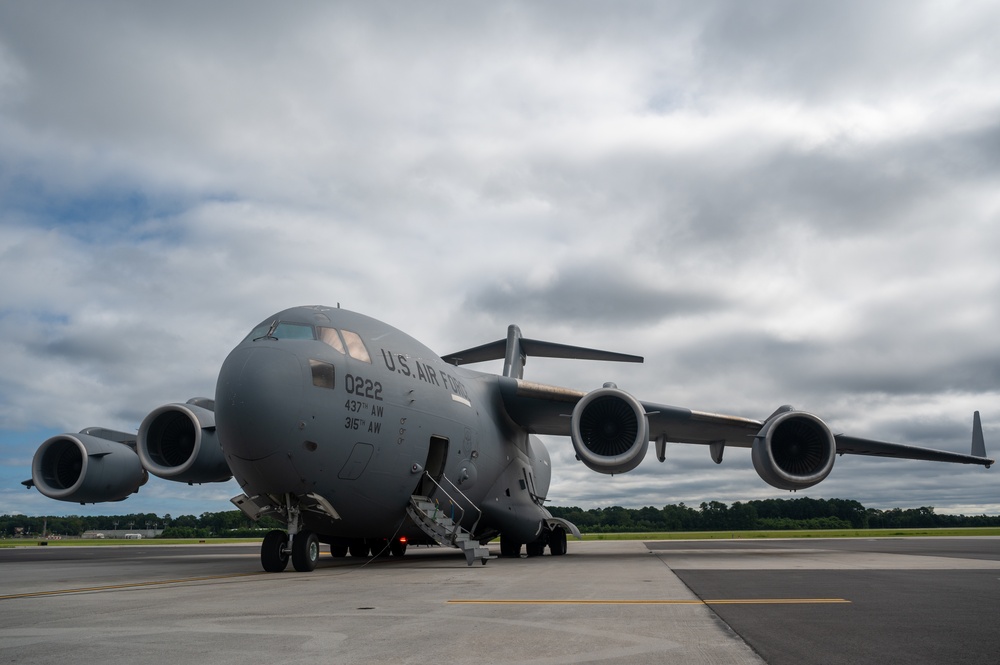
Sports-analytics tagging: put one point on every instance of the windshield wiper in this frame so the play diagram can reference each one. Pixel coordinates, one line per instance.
(270, 332)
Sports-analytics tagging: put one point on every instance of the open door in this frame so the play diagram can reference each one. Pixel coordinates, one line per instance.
(437, 455)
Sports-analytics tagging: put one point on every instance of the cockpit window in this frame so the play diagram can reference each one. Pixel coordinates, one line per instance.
(259, 331)
(286, 330)
(355, 346)
(330, 336)
(283, 330)
(343, 341)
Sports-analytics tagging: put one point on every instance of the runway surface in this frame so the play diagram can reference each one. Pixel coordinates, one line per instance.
(912, 600)
(915, 600)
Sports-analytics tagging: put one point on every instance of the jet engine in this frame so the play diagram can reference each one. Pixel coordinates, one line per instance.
(794, 450)
(178, 442)
(86, 469)
(609, 430)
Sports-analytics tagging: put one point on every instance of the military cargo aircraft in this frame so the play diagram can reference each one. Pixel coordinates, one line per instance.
(356, 435)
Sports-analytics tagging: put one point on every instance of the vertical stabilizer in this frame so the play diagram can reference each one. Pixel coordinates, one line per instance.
(513, 361)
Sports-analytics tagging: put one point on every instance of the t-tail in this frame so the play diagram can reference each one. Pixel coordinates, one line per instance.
(515, 349)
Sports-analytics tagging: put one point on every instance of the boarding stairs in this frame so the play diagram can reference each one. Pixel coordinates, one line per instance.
(444, 528)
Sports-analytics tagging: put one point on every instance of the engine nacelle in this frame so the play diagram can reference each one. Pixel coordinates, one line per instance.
(541, 466)
(610, 431)
(86, 469)
(794, 450)
(178, 442)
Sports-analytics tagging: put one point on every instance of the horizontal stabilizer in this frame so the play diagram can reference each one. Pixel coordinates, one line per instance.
(533, 347)
(540, 349)
(478, 354)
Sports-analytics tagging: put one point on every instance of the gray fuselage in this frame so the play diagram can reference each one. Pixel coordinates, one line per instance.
(331, 402)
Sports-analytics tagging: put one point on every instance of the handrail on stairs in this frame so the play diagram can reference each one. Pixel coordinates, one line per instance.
(472, 530)
(455, 503)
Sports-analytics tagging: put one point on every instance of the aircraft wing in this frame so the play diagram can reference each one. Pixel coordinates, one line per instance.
(545, 409)
(855, 446)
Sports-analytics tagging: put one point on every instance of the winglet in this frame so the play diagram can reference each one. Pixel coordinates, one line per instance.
(978, 442)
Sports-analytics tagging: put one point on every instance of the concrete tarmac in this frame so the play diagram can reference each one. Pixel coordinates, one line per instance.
(741, 601)
(911, 600)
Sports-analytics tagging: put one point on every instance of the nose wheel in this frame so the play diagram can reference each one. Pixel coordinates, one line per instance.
(276, 550)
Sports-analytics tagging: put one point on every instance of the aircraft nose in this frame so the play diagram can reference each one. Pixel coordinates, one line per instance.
(257, 400)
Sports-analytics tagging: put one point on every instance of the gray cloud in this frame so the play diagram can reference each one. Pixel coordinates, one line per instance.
(593, 296)
(772, 202)
(849, 49)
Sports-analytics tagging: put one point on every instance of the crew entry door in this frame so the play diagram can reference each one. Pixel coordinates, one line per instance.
(437, 456)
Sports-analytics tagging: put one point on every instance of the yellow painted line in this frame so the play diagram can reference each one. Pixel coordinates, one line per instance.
(114, 587)
(732, 601)
(778, 601)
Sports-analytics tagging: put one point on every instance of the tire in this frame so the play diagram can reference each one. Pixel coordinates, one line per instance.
(509, 548)
(358, 548)
(557, 542)
(379, 547)
(305, 551)
(338, 551)
(535, 549)
(397, 548)
(273, 556)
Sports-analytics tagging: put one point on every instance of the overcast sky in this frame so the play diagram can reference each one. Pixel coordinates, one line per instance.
(773, 202)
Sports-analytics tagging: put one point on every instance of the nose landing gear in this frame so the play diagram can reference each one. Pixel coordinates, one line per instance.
(274, 551)
(305, 551)
(278, 547)
(299, 545)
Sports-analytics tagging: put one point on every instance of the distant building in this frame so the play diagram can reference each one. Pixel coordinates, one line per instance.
(123, 534)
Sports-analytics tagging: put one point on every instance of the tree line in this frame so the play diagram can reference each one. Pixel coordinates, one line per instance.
(231, 523)
(765, 514)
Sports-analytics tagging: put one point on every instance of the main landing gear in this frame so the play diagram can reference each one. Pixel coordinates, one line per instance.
(362, 548)
(554, 538)
(302, 548)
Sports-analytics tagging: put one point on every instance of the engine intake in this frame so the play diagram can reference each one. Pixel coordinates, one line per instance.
(178, 442)
(609, 430)
(86, 469)
(794, 450)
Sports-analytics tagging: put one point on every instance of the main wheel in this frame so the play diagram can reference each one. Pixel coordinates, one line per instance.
(509, 548)
(338, 551)
(557, 542)
(535, 549)
(397, 547)
(358, 548)
(379, 546)
(305, 551)
(273, 555)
